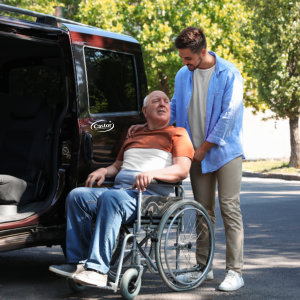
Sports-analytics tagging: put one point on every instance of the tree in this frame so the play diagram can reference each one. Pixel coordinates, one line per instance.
(274, 64)
(155, 23)
(70, 7)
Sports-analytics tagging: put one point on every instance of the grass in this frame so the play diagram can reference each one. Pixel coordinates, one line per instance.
(269, 166)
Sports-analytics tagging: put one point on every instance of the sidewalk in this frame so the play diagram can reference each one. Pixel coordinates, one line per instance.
(267, 175)
(272, 175)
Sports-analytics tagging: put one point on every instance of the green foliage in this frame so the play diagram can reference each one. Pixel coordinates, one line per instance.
(70, 7)
(156, 23)
(274, 63)
(42, 6)
(106, 14)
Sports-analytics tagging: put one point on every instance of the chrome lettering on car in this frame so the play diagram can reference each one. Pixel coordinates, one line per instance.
(102, 126)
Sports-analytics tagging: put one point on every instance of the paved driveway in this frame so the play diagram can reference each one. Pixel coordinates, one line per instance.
(271, 211)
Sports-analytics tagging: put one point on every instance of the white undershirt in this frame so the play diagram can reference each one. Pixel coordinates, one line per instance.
(197, 108)
(152, 159)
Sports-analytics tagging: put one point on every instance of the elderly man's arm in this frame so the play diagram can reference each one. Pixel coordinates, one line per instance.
(99, 175)
(178, 171)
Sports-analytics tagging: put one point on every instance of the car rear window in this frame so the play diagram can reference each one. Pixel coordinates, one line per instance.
(111, 81)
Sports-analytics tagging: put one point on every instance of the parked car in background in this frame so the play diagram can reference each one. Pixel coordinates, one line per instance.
(68, 94)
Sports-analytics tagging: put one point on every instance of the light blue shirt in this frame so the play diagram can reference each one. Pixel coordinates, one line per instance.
(224, 112)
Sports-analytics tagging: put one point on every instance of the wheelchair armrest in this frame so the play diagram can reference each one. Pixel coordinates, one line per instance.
(156, 181)
(177, 186)
(108, 182)
(109, 179)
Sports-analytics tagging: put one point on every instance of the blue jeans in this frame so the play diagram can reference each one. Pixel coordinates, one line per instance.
(107, 208)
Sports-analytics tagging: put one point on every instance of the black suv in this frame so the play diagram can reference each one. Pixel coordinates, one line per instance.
(68, 92)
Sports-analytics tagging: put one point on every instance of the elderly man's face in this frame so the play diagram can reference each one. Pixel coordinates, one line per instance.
(157, 108)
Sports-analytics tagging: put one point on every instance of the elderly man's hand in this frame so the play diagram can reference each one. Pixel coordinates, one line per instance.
(142, 180)
(96, 177)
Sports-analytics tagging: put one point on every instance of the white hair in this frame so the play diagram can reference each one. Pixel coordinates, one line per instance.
(145, 101)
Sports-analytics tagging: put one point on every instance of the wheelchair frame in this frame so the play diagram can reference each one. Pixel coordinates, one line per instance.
(159, 229)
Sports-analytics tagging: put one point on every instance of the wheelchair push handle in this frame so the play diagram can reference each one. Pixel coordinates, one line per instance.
(139, 208)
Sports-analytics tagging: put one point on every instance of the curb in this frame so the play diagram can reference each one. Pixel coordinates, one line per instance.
(272, 175)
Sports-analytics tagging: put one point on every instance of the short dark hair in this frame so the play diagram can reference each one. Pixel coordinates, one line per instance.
(192, 38)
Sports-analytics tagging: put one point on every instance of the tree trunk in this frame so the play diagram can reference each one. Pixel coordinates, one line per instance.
(163, 82)
(58, 12)
(295, 143)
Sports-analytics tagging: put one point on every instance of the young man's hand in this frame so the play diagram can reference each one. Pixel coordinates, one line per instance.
(133, 128)
(202, 150)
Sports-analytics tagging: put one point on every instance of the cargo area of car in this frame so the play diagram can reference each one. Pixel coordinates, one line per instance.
(33, 102)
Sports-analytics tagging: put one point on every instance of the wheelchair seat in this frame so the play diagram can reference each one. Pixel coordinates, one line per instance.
(156, 206)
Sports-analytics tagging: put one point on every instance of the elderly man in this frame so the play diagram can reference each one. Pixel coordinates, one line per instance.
(156, 151)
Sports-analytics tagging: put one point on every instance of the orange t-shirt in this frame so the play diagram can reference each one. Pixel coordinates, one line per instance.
(174, 140)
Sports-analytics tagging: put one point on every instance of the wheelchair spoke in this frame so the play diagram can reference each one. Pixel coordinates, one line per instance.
(185, 240)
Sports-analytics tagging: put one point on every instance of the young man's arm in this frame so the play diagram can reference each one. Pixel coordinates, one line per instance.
(99, 175)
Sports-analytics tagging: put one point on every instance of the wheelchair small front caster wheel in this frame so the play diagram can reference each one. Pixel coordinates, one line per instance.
(74, 286)
(129, 286)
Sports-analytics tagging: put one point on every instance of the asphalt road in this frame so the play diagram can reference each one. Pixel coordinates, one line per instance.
(271, 212)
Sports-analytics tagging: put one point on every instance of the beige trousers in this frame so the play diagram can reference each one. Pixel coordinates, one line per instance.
(228, 178)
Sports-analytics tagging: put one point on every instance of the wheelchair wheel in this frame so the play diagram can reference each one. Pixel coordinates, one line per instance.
(129, 286)
(185, 227)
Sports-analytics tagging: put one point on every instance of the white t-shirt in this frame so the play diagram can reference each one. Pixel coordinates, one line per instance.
(197, 108)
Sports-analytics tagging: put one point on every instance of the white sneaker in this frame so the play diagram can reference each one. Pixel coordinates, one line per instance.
(189, 276)
(91, 278)
(210, 275)
(67, 270)
(232, 282)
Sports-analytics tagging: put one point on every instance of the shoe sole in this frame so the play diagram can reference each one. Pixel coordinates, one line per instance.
(230, 290)
(60, 272)
(77, 280)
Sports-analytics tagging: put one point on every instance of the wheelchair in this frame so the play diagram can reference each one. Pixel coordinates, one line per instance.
(162, 240)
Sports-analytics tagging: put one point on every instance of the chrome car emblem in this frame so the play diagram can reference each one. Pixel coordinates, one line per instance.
(102, 126)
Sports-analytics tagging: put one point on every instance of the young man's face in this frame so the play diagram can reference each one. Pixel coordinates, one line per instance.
(190, 59)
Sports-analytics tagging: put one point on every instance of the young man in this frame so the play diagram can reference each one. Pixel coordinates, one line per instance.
(157, 151)
(208, 102)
